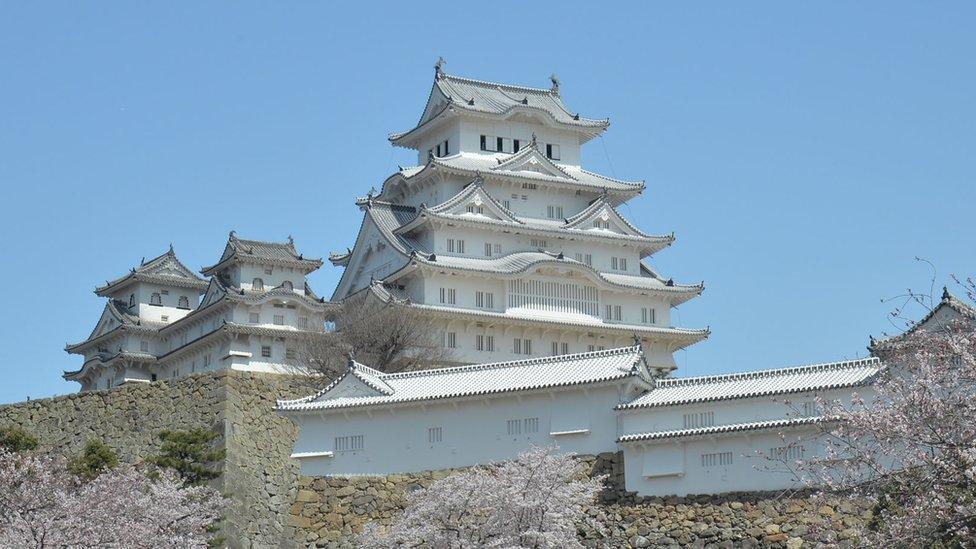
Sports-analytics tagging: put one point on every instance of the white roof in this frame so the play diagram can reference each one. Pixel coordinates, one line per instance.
(721, 429)
(673, 391)
(477, 379)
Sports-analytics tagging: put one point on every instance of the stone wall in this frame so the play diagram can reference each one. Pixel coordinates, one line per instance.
(328, 511)
(257, 472)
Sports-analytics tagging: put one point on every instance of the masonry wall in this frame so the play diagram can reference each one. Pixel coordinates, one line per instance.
(328, 511)
(257, 471)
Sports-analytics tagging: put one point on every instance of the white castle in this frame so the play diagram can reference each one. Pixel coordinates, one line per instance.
(255, 309)
(560, 329)
(506, 240)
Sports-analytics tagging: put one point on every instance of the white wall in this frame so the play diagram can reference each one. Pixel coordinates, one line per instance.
(473, 432)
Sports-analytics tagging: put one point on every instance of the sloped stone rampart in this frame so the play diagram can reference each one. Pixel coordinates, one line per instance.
(329, 511)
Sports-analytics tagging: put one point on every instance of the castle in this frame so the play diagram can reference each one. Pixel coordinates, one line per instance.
(558, 328)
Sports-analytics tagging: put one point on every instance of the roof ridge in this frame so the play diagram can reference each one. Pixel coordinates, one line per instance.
(727, 427)
(479, 82)
(755, 374)
(511, 363)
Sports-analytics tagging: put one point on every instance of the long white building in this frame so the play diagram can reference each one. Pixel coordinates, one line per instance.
(256, 308)
(678, 435)
(507, 240)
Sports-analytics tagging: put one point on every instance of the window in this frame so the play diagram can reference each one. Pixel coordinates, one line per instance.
(152, 377)
(349, 443)
(279, 319)
(613, 312)
(648, 315)
(699, 419)
(206, 358)
(484, 300)
(434, 435)
(507, 204)
(514, 426)
(268, 270)
(257, 285)
(602, 224)
(450, 340)
(618, 263)
(492, 250)
(720, 459)
(184, 302)
(530, 425)
(809, 409)
(448, 296)
(552, 151)
(290, 354)
(455, 245)
(288, 286)
(791, 452)
(560, 348)
(530, 186)
(539, 243)
(554, 212)
(586, 259)
(475, 209)
(155, 299)
(489, 143)
(303, 322)
(164, 292)
(484, 342)
(442, 148)
(596, 348)
(254, 318)
(132, 300)
(266, 351)
(522, 346)
(144, 346)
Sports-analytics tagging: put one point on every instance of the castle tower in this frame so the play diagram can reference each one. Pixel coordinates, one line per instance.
(504, 237)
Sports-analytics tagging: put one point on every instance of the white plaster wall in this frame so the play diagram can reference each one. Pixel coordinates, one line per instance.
(278, 276)
(449, 131)
(471, 131)
(473, 432)
(170, 302)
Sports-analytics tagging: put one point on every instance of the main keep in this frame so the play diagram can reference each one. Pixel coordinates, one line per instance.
(502, 235)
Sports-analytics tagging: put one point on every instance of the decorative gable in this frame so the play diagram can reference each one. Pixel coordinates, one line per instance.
(532, 162)
(215, 292)
(474, 201)
(602, 216)
(168, 266)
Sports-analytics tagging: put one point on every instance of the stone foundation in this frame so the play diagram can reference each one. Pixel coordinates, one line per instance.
(328, 511)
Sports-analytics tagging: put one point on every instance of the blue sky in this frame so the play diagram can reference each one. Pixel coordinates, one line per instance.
(804, 154)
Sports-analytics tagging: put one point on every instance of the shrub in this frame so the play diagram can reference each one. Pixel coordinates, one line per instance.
(15, 439)
(94, 460)
(191, 454)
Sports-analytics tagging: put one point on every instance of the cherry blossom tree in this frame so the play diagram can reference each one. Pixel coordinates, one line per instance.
(43, 505)
(908, 443)
(534, 501)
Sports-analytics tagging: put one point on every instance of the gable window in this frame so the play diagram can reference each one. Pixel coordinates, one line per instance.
(349, 443)
(648, 315)
(257, 285)
(601, 224)
(554, 212)
(552, 151)
(266, 351)
(155, 299)
(450, 340)
(522, 346)
(132, 300)
(184, 302)
(475, 209)
(288, 286)
(434, 435)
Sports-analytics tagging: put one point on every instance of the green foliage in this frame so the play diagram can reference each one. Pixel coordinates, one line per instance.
(94, 460)
(15, 439)
(191, 454)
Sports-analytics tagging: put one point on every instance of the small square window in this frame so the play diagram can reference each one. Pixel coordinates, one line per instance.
(266, 351)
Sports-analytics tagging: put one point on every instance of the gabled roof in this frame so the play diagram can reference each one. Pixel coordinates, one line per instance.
(519, 262)
(480, 379)
(105, 359)
(453, 94)
(116, 313)
(815, 377)
(266, 253)
(530, 161)
(164, 269)
(722, 429)
(603, 210)
(474, 193)
(488, 166)
(950, 305)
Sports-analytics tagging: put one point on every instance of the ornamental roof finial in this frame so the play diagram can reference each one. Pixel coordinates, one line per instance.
(350, 360)
(291, 241)
(232, 235)
(555, 83)
(945, 293)
(439, 68)
(534, 140)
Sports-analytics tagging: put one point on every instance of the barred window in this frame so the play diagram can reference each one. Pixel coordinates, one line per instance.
(184, 302)
(531, 425)
(720, 459)
(254, 318)
(279, 319)
(450, 340)
(514, 426)
(266, 351)
(257, 285)
(699, 419)
(155, 299)
(349, 443)
(434, 435)
(790, 452)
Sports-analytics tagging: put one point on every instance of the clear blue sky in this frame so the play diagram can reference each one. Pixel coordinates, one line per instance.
(803, 154)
